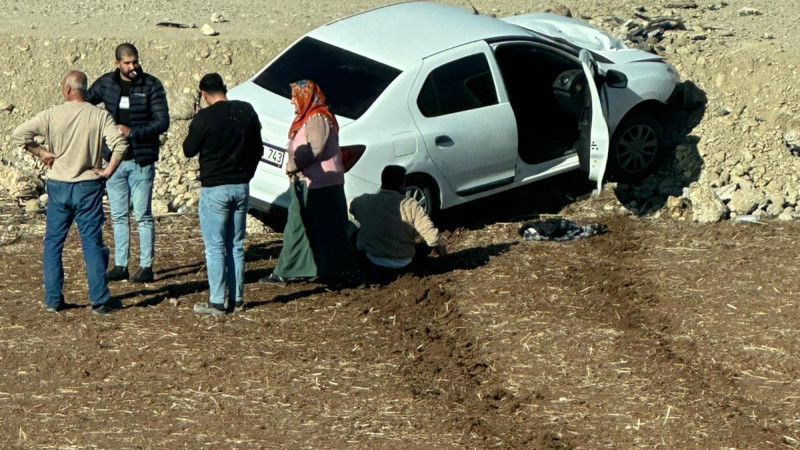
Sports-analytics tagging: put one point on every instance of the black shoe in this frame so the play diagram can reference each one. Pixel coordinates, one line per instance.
(209, 308)
(107, 308)
(279, 280)
(273, 279)
(117, 273)
(143, 275)
(53, 308)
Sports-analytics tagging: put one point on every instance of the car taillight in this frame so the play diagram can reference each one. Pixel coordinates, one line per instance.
(351, 154)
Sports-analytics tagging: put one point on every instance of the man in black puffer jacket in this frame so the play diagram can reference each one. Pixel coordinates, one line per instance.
(138, 103)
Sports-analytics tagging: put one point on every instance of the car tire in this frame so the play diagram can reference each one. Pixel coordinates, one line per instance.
(424, 194)
(636, 148)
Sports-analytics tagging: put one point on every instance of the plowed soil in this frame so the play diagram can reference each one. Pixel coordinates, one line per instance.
(656, 334)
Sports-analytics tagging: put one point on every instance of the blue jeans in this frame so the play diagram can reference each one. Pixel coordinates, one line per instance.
(132, 184)
(223, 215)
(81, 202)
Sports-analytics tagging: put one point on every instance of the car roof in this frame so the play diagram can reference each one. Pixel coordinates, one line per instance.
(402, 34)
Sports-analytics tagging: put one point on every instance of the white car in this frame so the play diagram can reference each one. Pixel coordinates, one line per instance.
(469, 104)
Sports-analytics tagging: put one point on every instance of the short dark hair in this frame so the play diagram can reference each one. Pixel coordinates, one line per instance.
(393, 177)
(211, 83)
(124, 50)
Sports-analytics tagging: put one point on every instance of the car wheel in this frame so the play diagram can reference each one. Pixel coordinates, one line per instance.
(423, 193)
(636, 148)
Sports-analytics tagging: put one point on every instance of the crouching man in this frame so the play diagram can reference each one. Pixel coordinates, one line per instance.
(75, 131)
(390, 224)
(227, 135)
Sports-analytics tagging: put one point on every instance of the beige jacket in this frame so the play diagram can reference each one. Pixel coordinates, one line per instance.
(390, 224)
(74, 132)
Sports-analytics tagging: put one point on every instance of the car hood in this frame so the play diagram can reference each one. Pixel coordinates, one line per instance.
(573, 31)
(581, 34)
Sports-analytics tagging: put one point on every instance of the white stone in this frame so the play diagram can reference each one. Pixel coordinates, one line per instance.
(207, 30)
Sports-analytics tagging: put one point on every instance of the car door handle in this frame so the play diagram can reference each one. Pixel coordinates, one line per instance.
(443, 141)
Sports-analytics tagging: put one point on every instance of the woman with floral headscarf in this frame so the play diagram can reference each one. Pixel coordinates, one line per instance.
(315, 241)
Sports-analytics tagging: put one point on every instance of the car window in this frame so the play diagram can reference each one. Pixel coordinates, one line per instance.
(459, 85)
(351, 82)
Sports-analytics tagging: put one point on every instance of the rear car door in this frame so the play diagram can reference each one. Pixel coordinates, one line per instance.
(594, 139)
(465, 120)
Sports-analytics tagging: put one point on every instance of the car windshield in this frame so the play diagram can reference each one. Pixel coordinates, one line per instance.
(350, 81)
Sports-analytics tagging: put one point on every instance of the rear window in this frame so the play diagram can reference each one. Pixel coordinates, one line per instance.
(350, 81)
(457, 86)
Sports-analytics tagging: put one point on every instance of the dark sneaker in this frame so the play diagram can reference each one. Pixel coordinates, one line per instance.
(273, 279)
(209, 308)
(279, 280)
(53, 308)
(143, 275)
(118, 273)
(108, 308)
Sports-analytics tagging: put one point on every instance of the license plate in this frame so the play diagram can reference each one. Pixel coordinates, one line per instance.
(274, 156)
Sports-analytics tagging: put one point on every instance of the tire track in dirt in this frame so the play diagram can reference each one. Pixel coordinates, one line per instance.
(443, 366)
(636, 295)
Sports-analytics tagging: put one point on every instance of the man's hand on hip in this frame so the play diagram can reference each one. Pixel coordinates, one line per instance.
(47, 157)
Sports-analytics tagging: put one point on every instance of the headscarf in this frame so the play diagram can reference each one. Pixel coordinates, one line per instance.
(310, 101)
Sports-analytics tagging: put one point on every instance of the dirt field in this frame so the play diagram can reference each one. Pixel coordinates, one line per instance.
(656, 334)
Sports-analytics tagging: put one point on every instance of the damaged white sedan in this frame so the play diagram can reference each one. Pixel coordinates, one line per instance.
(469, 104)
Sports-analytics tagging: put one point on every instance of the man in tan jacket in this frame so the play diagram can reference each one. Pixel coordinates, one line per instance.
(74, 132)
(389, 225)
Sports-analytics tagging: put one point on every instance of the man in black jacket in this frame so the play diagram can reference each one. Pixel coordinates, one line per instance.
(138, 103)
(227, 135)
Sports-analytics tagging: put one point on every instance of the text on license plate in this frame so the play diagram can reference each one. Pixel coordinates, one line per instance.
(274, 156)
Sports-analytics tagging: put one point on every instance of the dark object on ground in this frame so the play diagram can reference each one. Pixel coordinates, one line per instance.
(209, 308)
(143, 275)
(117, 273)
(556, 229)
(174, 25)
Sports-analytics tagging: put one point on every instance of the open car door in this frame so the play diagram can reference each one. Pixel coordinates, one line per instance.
(594, 139)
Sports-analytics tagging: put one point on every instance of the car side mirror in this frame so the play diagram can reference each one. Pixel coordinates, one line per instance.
(616, 79)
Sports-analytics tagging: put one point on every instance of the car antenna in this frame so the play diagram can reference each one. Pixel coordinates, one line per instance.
(474, 9)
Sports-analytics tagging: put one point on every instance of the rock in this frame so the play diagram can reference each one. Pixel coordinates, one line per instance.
(677, 206)
(560, 9)
(706, 207)
(218, 18)
(722, 111)
(160, 207)
(787, 214)
(17, 183)
(181, 106)
(175, 204)
(792, 140)
(725, 193)
(207, 30)
(32, 206)
(775, 206)
(748, 12)
(746, 200)
(255, 227)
